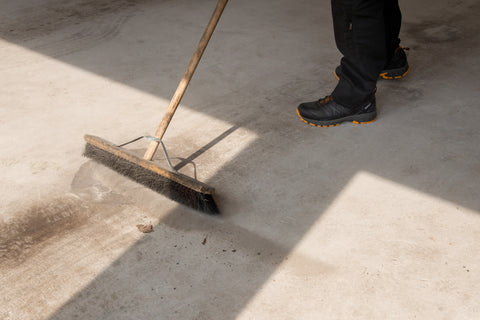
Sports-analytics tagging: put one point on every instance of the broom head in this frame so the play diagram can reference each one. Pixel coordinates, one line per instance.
(173, 185)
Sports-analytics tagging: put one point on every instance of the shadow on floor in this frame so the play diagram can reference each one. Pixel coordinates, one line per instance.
(290, 173)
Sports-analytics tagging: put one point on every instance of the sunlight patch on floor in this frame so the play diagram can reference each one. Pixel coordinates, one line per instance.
(51, 100)
(380, 249)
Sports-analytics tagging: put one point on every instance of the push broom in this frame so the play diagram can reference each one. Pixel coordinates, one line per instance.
(172, 184)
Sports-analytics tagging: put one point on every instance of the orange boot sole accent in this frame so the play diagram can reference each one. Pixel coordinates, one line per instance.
(365, 122)
(331, 125)
(384, 75)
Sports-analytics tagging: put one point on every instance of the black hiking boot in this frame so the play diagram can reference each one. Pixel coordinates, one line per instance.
(327, 113)
(396, 68)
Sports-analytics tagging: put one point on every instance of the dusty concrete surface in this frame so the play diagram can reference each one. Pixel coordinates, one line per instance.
(379, 221)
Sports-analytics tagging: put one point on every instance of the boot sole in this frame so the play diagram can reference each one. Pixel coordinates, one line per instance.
(395, 73)
(387, 75)
(363, 118)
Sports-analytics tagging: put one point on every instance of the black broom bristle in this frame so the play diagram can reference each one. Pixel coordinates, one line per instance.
(171, 189)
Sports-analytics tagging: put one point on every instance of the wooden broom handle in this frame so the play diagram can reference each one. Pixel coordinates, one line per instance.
(182, 86)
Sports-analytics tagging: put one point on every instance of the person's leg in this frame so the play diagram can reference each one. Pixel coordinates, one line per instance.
(342, 25)
(393, 22)
(396, 66)
(396, 60)
(362, 44)
(359, 28)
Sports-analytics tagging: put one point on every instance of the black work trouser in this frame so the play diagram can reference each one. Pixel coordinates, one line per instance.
(366, 33)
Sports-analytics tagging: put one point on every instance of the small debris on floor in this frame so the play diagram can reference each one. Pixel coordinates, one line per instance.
(204, 241)
(145, 228)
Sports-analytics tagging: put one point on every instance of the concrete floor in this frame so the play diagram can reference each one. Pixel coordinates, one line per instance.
(379, 221)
